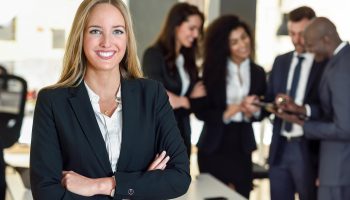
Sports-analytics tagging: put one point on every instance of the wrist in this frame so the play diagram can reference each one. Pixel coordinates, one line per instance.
(105, 185)
(185, 102)
(302, 110)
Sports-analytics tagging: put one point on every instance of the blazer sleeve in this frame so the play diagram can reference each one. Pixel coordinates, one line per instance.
(273, 81)
(153, 64)
(160, 184)
(337, 128)
(45, 154)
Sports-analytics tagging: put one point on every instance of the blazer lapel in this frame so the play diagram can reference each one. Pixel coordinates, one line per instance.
(253, 79)
(285, 72)
(312, 76)
(83, 110)
(129, 127)
(315, 73)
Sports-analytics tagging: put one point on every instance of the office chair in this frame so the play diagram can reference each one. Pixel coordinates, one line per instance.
(13, 91)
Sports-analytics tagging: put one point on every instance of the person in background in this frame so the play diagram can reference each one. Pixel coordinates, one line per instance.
(230, 76)
(333, 127)
(293, 158)
(3, 72)
(172, 61)
(102, 131)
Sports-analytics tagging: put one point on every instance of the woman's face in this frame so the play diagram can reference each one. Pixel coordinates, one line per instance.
(240, 45)
(105, 38)
(188, 31)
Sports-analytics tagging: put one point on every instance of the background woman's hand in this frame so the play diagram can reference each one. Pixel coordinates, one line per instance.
(178, 101)
(248, 107)
(231, 110)
(159, 162)
(198, 90)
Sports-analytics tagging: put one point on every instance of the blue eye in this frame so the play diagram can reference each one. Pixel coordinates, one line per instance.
(118, 32)
(95, 31)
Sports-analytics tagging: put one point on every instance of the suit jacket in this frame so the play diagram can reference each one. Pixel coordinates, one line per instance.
(210, 109)
(278, 84)
(66, 136)
(155, 67)
(334, 128)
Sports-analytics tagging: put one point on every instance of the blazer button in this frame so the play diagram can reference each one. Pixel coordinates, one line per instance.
(130, 191)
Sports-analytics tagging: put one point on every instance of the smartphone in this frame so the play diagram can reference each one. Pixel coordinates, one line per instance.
(270, 107)
(215, 198)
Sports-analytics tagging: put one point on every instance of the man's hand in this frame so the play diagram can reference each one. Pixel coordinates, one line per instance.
(286, 104)
(293, 118)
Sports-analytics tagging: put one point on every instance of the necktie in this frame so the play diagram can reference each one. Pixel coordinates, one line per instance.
(294, 86)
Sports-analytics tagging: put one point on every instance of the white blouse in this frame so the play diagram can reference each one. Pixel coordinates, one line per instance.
(110, 127)
(237, 85)
(185, 79)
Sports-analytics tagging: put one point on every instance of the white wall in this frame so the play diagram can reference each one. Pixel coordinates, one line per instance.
(269, 14)
(31, 55)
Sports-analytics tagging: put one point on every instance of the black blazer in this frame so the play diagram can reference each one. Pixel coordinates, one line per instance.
(66, 136)
(155, 67)
(210, 109)
(278, 84)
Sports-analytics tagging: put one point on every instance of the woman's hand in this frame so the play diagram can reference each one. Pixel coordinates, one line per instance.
(159, 162)
(85, 186)
(178, 101)
(248, 107)
(198, 90)
(231, 110)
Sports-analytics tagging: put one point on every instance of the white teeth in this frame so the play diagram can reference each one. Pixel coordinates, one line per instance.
(105, 54)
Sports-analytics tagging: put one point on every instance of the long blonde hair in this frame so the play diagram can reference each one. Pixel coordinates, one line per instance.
(74, 61)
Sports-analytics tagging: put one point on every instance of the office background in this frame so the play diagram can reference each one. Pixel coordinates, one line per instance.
(33, 33)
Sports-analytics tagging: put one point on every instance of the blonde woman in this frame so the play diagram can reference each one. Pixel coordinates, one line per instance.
(102, 130)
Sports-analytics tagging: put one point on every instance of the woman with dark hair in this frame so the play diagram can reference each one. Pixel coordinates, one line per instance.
(230, 76)
(172, 61)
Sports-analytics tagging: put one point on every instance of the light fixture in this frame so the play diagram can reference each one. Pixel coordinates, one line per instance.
(283, 29)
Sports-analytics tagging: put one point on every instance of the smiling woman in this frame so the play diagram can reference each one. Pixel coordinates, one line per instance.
(86, 125)
(172, 61)
(232, 81)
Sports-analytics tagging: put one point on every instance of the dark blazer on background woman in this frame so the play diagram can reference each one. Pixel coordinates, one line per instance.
(148, 127)
(211, 108)
(155, 67)
(224, 150)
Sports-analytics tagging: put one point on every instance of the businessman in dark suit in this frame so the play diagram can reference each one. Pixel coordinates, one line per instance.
(333, 129)
(293, 158)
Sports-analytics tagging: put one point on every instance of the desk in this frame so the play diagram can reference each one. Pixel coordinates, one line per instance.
(205, 186)
(18, 185)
